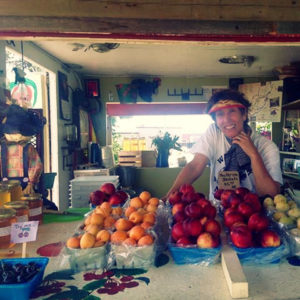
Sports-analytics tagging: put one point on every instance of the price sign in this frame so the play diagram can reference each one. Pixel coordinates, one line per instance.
(228, 180)
(23, 232)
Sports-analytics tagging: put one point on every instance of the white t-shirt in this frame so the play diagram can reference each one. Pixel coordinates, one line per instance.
(213, 144)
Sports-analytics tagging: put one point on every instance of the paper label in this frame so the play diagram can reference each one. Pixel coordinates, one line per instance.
(4, 231)
(228, 180)
(35, 211)
(24, 232)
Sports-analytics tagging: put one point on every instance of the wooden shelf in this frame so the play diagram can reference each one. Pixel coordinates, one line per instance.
(292, 105)
(290, 153)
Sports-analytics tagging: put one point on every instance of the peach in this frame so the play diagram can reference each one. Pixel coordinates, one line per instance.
(103, 235)
(109, 222)
(117, 211)
(105, 206)
(145, 196)
(87, 241)
(151, 208)
(135, 217)
(136, 202)
(136, 232)
(153, 201)
(146, 240)
(97, 219)
(98, 244)
(130, 242)
(118, 237)
(87, 220)
(146, 225)
(149, 217)
(102, 211)
(123, 224)
(73, 242)
(129, 210)
(92, 229)
(142, 211)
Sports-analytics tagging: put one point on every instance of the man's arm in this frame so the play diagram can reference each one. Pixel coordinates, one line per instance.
(189, 173)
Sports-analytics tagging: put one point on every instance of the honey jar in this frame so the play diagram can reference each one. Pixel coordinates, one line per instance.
(7, 217)
(21, 208)
(4, 194)
(35, 204)
(15, 189)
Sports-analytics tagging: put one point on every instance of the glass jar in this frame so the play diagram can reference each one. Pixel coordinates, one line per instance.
(15, 189)
(21, 208)
(35, 204)
(4, 194)
(7, 217)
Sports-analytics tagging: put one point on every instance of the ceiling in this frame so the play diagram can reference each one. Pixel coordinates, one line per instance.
(181, 59)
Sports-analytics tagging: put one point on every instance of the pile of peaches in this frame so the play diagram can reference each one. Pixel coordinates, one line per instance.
(194, 221)
(243, 216)
(129, 225)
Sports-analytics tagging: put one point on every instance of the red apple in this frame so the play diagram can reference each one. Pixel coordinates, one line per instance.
(234, 200)
(185, 188)
(241, 236)
(229, 210)
(115, 199)
(207, 240)
(203, 202)
(189, 197)
(177, 231)
(97, 197)
(203, 220)
(175, 197)
(180, 216)
(193, 210)
(192, 227)
(224, 198)
(246, 209)
(258, 222)
(183, 242)
(241, 191)
(177, 207)
(108, 188)
(218, 193)
(123, 195)
(269, 238)
(210, 211)
(232, 218)
(213, 227)
(253, 200)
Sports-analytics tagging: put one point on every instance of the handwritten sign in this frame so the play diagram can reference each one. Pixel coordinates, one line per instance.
(228, 180)
(23, 232)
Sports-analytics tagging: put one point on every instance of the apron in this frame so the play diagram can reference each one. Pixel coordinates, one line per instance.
(24, 180)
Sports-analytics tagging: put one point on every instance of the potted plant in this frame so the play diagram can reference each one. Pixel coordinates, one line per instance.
(163, 145)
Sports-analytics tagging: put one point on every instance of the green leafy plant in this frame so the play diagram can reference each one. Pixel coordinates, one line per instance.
(166, 142)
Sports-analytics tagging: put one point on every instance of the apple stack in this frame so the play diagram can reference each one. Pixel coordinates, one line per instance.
(108, 193)
(193, 222)
(248, 225)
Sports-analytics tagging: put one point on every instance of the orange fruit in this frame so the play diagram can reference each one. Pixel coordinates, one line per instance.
(123, 224)
(87, 241)
(73, 242)
(145, 196)
(106, 206)
(118, 237)
(149, 217)
(102, 211)
(130, 242)
(135, 217)
(136, 232)
(97, 219)
(136, 202)
(103, 235)
(146, 240)
(92, 229)
(98, 244)
(129, 210)
(151, 208)
(117, 211)
(153, 201)
(109, 222)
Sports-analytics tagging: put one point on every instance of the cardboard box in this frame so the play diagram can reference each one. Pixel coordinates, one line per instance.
(145, 158)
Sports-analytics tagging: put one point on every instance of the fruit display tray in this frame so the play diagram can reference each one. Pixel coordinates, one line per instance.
(22, 291)
(261, 256)
(194, 255)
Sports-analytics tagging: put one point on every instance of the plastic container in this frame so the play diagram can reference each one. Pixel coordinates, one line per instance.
(4, 194)
(15, 189)
(21, 208)
(22, 291)
(35, 204)
(7, 217)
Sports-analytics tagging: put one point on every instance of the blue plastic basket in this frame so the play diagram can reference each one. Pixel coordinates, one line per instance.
(194, 255)
(22, 291)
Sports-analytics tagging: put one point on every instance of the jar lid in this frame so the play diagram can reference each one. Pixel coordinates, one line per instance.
(7, 213)
(31, 197)
(16, 204)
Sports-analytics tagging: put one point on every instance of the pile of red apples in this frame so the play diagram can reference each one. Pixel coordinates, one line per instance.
(194, 221)
(244, 217)
(108, 193)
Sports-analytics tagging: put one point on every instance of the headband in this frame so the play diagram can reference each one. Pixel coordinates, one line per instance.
(225, 104)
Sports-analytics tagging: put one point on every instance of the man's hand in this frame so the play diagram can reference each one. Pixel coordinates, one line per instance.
(245, 142)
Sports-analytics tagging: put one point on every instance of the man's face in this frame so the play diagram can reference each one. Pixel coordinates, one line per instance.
(230, 121)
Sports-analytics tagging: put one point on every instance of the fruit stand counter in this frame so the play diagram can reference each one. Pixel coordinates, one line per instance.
(165, 281)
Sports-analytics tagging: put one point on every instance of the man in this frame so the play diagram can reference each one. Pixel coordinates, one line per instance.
(230, 145)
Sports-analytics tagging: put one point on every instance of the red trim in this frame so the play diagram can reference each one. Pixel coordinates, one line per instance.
(168, 37)
(115, 109)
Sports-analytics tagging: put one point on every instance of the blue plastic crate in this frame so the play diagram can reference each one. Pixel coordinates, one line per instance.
(22, 291)
(194, 255)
